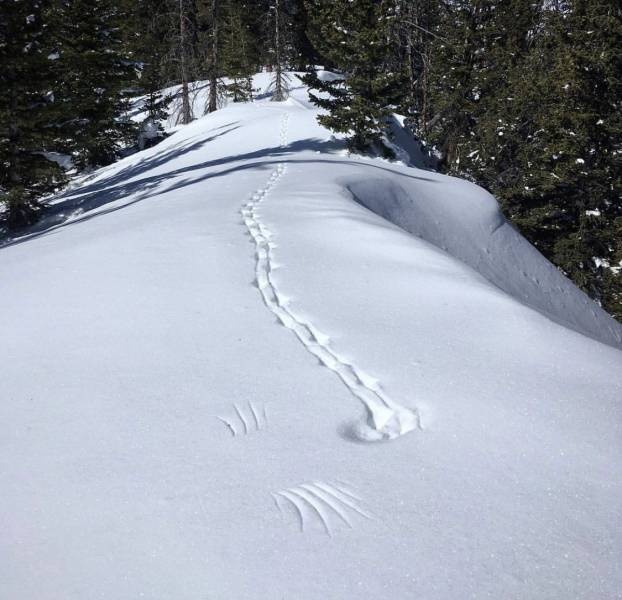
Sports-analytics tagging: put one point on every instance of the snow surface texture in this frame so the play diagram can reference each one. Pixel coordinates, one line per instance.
(165, 433)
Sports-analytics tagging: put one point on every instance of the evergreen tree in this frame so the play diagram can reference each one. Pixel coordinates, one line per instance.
(526, 102)
(302, 54)
(239, 51)
(145, 41)
(278, 27)
(416, 30)
(354, 35)
(25, 111)
(475, 128)
(458, 71)
(566, 193)
(92, 77)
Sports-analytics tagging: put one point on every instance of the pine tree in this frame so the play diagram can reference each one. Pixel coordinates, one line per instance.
(278, 27)
(477, 129)
(26, 99)
(458, 72)
(525, 101)
(567, 194)
(239, 51)
(302, 55)
(355, 37)
(92, 74)
(416, 31)
(145, 41)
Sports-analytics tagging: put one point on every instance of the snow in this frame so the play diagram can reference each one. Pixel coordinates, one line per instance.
(64, 161)
(206, 343)
(601, 262)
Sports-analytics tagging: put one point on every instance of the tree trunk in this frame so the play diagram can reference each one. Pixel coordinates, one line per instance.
(186, 113)
(13, 139)
(213, 75)
(279, 91)
(426, 59)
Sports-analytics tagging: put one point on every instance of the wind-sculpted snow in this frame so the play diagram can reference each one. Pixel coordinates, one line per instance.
(464, 221)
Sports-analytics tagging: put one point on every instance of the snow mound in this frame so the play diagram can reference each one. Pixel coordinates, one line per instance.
(465, 221)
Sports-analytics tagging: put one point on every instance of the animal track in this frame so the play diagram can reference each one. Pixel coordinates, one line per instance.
(387, 419)
(326, 502)
(246, 420)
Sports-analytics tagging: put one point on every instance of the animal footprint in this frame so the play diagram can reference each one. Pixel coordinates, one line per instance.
(386, 419)
(246, 419)
(330, 503)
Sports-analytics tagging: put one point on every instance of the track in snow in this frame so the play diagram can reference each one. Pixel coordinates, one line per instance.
(245, 420)
(328, 502)
(387, 419)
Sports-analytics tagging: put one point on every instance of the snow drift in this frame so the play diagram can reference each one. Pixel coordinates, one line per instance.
(465, 221)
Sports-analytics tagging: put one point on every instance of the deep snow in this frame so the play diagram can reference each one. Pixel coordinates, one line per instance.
(203, 342)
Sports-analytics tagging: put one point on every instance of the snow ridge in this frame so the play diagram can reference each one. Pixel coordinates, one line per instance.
(387, 419)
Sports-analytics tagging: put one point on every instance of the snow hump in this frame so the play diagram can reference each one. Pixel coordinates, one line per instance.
(464, 220)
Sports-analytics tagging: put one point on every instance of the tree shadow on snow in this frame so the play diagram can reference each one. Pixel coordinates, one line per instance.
(107, 190)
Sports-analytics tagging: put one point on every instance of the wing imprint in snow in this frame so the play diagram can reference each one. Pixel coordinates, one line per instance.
(246, 419)
(329, 504)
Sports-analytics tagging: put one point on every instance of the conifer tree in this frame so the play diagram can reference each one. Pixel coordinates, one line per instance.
(239, 52)
(278, 34)
(566, 195)
(92, 76)
(525, 99)
(302, 55)
(26, 98)
(355, 37)
(458, 73)
(146, 46)
(416, 31)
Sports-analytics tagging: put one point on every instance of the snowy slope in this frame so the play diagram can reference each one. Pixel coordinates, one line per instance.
(204, 343)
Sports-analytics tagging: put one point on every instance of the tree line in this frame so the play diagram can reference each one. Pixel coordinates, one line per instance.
(520, 96)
